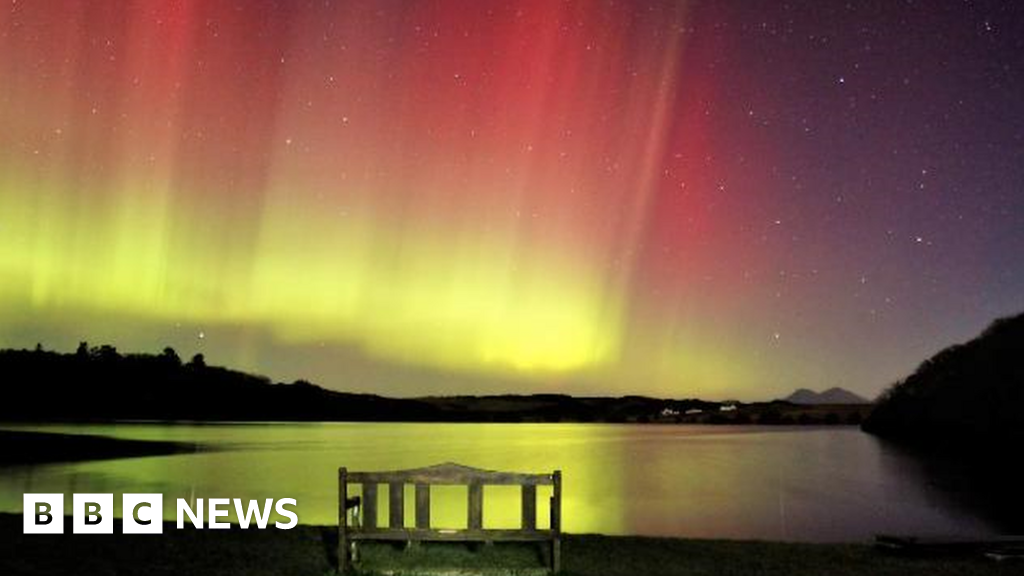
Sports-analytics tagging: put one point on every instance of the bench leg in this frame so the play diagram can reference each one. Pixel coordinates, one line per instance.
(343, 564)
(556, 555)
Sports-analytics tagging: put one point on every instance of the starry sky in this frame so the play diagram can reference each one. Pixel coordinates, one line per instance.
(713, 199)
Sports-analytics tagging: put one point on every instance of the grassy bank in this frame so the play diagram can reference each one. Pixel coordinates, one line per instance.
(17, 447)
(309, 550)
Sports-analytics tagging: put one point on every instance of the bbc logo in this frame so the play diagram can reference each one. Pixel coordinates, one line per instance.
(93, 514)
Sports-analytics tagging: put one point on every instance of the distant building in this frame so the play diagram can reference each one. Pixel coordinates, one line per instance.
(669, 413)
(692, 411)
(727, 408)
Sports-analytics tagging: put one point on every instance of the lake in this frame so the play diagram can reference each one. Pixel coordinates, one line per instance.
(803, 484)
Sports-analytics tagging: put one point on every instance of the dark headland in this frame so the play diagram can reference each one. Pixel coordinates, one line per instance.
(970, 394)
(21, 447)
(961, 414)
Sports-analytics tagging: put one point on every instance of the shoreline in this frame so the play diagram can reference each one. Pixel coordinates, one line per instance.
(18, 448)
(311, 550)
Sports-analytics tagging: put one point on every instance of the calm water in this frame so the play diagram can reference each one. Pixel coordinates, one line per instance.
(827, 484)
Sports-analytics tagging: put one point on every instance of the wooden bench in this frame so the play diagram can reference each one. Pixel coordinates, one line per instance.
(443, 475)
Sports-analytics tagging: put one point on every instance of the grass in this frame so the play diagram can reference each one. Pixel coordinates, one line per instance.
(310, 550)
(450, 559)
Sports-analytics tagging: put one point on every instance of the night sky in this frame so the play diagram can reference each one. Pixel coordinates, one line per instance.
(712, 199)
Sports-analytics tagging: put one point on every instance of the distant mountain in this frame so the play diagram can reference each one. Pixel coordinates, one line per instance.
(830, 396)
(967, 392)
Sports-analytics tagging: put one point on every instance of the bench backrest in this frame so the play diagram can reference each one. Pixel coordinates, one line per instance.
(445, 474)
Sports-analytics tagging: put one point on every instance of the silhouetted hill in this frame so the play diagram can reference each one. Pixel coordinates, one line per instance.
(967, 392)
(564, 408)
(831, 396)
(100, 384)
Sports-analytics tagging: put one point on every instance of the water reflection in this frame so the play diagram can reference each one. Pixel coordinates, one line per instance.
(986, 481)
(829, 484)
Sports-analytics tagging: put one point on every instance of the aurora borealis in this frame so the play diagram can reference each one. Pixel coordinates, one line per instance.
(716, 199)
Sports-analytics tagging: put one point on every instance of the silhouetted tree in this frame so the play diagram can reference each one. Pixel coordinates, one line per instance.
(83, 350)
(170, 356)
(198, 361)
(106, 352)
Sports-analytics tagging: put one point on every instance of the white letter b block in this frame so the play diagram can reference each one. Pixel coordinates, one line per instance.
(43, 513)
(93, 514)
